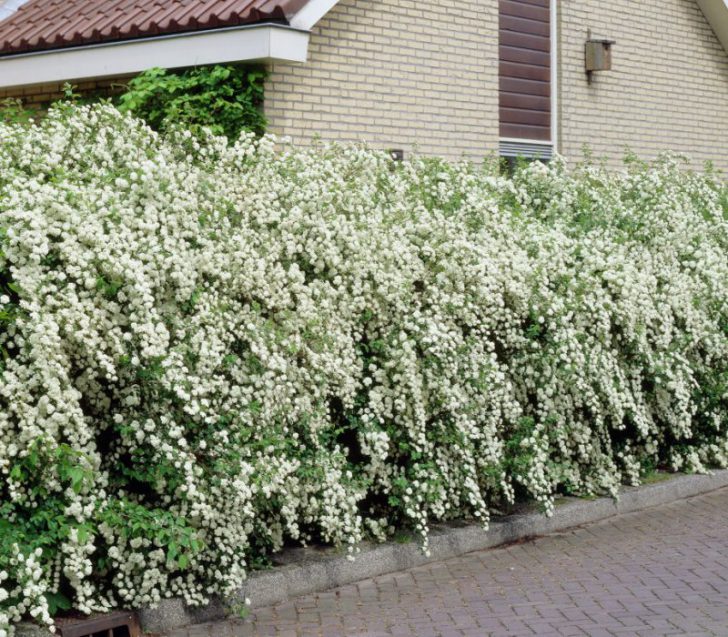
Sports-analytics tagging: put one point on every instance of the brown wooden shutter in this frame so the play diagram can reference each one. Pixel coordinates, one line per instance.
(525, 69)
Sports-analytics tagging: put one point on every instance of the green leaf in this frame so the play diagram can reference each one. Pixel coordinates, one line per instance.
(172, 552)
(56, 602)
(77, 476)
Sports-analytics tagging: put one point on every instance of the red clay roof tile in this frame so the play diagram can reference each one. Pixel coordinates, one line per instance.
(51, 24)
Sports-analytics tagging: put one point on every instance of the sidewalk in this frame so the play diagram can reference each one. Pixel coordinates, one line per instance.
(662, 571)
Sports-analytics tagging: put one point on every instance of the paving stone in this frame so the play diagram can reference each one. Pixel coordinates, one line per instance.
(661, 571)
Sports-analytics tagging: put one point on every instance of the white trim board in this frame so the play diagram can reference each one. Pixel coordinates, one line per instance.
(716, 11)
(554, 35)
(311, 13)
(267, 42)
(523, 140)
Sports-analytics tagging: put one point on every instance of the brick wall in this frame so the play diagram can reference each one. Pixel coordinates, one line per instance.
(39, 96)
(397, 73)
(668, 88)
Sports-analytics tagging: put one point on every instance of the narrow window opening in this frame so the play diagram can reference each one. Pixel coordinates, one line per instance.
(525, 78)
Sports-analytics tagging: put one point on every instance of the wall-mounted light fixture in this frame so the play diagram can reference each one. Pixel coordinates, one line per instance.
(597, 55)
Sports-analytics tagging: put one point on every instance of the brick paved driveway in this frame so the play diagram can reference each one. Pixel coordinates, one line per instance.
(663, 571)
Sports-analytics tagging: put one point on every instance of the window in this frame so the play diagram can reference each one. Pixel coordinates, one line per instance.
(525, 78)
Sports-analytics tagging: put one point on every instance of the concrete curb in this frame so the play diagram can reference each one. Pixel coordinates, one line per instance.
(312, 570)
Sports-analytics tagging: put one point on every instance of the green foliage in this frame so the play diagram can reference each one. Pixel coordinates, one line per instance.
(40, 531)
(226, 99)
(12, 111)
(153, 527)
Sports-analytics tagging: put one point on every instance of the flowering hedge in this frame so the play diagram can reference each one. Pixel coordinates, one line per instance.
(210, 349)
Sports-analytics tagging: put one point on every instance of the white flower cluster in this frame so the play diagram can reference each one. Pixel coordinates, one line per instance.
(212, 349)
(28, 585)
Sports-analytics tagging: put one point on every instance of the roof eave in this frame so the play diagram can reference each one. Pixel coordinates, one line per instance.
(716, 11)
(253, 43)
(311, 12)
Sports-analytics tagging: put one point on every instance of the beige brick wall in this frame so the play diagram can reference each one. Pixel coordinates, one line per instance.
(668, 88)
(398, 74)
(39, 96)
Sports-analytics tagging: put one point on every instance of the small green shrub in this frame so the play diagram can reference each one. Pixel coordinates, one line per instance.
(13, 111)
(226, 99)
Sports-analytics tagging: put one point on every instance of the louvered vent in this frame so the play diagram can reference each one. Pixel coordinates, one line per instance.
(527, 150)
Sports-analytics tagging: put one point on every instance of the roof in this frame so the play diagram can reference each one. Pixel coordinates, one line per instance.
(39, 25)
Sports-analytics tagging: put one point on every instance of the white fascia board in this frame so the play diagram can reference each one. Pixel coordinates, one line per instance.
(716, 11)
(311, 13)
(235, 44)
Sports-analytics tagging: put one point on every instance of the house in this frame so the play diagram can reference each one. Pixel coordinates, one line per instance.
(448, 77)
